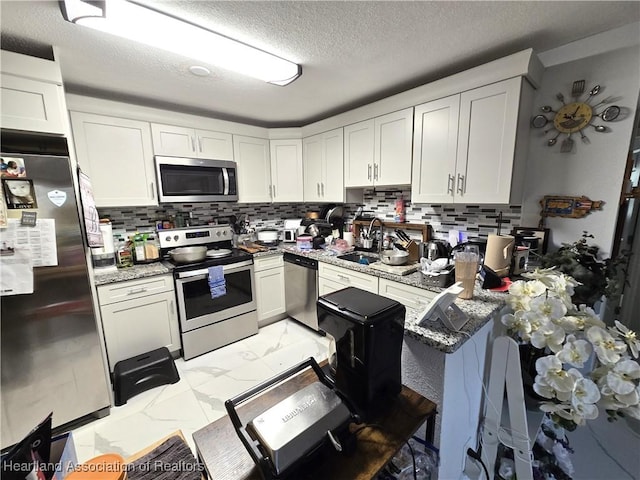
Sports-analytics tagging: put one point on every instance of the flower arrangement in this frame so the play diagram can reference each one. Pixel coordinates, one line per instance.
(569, 337)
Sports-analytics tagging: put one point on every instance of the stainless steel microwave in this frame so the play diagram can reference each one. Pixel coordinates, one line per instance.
(196, 180)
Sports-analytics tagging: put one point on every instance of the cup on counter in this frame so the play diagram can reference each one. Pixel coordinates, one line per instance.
(367, 243)
(466, 263)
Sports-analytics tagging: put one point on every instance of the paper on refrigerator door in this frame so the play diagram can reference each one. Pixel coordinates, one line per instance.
(38, 241)
(16, 272)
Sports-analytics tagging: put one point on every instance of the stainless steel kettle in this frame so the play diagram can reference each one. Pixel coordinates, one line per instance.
(434, 249)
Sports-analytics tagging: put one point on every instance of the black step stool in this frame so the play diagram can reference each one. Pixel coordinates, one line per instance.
(142, 372)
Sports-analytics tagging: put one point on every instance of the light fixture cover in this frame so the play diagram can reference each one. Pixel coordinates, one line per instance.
(150, 27)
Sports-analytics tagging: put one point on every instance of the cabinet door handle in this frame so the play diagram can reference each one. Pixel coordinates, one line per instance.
(318, 188)
(369, 171)
(134, 291)
(322, 188)
(375, 171)
(450, 181)
(172, 307)
(461, 184)
(274, 191)
(270, 191)
(193, 144)
(152, 186)
(199, 144)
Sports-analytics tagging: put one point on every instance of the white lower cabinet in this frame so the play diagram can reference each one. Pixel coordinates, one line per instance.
(269, 277)
(139, 316)
(413, 297)
(332, 278)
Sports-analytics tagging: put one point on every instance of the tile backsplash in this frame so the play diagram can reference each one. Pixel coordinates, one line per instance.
(476, 221)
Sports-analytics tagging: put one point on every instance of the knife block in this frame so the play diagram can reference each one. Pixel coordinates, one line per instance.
(414, 251)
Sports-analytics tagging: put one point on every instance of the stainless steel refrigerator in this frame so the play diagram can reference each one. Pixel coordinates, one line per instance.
(51, 353)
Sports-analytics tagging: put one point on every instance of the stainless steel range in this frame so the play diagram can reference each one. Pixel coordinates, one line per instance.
(207, 323)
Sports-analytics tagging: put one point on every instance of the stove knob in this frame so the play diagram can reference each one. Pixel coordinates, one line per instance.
(224, 232)
(176, 237)
(218, 233)
(168, 238)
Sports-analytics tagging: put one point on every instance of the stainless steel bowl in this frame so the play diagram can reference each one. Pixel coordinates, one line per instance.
(188, 254)
(394, 257)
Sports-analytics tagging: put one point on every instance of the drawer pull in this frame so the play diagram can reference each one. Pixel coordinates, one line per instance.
(344, 277)
(134, 291)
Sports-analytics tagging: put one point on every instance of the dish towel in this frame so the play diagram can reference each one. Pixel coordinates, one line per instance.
(217, 283)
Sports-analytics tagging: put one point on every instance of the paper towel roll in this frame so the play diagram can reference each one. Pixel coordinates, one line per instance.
(107, 238)
(499, 253)
(348, 236)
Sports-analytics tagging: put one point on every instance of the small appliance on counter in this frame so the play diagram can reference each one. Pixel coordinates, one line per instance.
(283, 439)
(290, 230)
(366, 332)
(268, 236)
(104, 258)
(433, 250)
(318, 230)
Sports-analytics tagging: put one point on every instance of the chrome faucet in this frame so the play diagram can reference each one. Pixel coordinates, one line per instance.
(381, 233)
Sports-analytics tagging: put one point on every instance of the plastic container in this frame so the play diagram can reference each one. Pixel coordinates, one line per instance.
(304, 242)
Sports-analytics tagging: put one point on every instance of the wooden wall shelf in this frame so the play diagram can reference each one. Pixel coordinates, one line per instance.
(423, 228)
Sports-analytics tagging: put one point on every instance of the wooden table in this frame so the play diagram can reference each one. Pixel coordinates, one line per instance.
(225, 457)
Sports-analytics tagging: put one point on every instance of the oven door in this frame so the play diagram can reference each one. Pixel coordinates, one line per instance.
(196, 307)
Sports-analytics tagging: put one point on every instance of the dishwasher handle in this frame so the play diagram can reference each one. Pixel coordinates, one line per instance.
(301, 261)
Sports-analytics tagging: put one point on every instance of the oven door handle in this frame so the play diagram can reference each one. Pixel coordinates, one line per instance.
(204, 272)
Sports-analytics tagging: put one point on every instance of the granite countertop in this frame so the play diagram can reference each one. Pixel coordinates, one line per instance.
(480, 310)
(132, 273)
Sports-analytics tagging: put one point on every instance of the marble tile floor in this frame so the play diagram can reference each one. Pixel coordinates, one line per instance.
(602, 450)
(198, 398)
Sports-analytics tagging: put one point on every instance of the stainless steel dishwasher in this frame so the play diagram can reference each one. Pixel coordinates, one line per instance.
(301, 288)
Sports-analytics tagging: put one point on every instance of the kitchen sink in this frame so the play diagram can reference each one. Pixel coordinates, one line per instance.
(360, 257)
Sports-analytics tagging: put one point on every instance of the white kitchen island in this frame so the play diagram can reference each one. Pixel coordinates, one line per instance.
(449, 368)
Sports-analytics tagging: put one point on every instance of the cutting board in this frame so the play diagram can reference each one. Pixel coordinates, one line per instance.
(395, 269)
(253, 248)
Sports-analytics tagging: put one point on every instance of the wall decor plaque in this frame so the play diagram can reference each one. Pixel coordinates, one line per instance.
(568, 206)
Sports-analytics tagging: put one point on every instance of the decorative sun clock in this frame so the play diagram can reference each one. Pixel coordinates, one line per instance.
(573, 118)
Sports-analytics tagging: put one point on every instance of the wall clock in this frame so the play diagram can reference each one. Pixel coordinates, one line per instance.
(575, 116)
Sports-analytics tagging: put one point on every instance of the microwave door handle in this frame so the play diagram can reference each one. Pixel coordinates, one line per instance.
(225, 177)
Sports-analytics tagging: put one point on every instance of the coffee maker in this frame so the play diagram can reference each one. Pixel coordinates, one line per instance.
(366, 333)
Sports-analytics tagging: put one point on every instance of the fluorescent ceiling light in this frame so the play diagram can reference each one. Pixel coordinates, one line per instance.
(135, 22)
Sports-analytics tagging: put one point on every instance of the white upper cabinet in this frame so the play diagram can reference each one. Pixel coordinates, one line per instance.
(174, 141)
(465, 146)
(286, 170)
(254, 169)
(117, 155)
(435, 150)
(323, 167)
(359, 140)
(31, 94)
(378, 151)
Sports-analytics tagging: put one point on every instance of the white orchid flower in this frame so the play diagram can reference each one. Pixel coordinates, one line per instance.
(633, 412)
(517, 322)
(630, 399)
(575, 352)
(585, 391)
(533, 288)
(548, 335)
(608, 349)
(621, 377)
(550, 370)
(545, 275)
(629, 336)
(542, 388)
(550, 308)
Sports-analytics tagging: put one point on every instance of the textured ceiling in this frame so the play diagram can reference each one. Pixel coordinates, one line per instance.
(351, 53)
